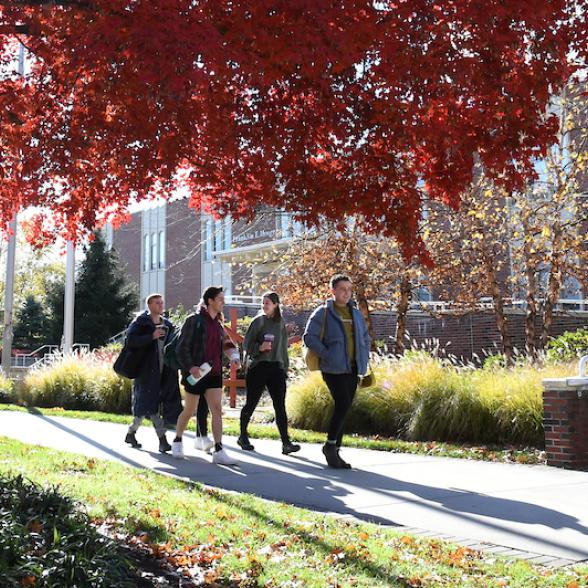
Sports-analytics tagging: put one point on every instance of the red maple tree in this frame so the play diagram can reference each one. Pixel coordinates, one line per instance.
(318, 107)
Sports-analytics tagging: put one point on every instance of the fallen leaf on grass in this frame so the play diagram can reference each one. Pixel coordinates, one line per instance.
(34, 526)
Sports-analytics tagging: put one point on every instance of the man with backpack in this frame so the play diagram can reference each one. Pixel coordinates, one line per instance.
(337, 332)
(199, 351)
(156, 392)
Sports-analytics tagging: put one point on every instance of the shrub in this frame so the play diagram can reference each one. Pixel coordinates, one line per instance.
(6, 390)
(569, 346)
(78, 383)
(421, 397)
(46, 541)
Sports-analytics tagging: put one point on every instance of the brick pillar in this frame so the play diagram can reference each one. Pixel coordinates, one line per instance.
(565, 421)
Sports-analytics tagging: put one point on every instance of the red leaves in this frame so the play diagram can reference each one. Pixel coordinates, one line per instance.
(322, 108)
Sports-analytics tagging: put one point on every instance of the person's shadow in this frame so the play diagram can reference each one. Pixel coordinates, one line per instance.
(303, 482)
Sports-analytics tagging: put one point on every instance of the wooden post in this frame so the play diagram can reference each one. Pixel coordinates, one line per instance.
(233, 383)
(233, 380)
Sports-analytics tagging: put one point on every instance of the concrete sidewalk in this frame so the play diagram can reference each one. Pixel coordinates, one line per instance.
(539, 512)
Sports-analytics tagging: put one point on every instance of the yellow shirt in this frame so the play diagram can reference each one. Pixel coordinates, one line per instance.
(344, 313)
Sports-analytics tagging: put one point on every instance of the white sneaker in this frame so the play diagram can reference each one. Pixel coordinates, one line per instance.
(203, 443)
(223, 458)
(178, 450)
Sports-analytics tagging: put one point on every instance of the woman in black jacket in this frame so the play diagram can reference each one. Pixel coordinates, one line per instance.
(266, 344)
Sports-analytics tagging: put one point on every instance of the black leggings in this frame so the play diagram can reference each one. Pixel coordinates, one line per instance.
(202, 417)
(342, 388)
(271, 375)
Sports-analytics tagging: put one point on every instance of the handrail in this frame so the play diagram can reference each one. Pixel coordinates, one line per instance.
(20, 360)
(36, 351)
(116, 338)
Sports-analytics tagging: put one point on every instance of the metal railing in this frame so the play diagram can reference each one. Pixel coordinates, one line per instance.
(26, 360)
(119, 337)
(238, 299)
(33, 360)
(484, 303)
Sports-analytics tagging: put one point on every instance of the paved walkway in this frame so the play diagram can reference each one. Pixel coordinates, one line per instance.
(526, 508)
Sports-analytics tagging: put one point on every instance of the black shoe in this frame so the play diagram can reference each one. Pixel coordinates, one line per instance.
(132, 441)
(244, 443)
(290, 447)
(164, 446)
(330, 452)
(342, 463)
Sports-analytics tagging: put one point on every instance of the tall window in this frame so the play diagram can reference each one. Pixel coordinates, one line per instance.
(218, 235)
(228, 236)
(285, 224)
(153, 250)
(161, 249)
(208, 240)
(146, 253)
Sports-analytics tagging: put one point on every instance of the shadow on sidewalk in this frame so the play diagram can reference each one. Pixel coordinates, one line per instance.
(307, 483)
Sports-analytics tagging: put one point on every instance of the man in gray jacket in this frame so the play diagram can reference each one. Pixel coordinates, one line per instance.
(338, 333)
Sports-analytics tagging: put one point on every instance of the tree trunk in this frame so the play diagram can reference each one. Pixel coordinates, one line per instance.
(363, 305)
(553, 288)
(402, 311)
(501, 320)
(531, 298)
(531, 317)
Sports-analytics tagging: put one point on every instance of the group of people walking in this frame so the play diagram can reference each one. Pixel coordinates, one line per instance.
(336, 332)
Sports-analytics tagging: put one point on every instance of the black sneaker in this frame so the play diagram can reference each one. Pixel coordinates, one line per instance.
(164, 446)
(330, 452)
(290, 447)
(132, 441)
(342, 463)
(244, 443)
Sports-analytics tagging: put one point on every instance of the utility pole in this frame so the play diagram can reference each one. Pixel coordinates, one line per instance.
(10, 261)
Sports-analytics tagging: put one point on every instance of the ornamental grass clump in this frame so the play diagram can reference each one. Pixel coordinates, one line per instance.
(78, 383)
(6, 390)
(421, 397)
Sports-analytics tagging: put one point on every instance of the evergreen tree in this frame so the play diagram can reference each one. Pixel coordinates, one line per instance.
(104, 299)
(30, 325)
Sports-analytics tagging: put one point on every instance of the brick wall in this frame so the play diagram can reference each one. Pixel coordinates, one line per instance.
(126, 240)
(468, 338)
(183, 254)
(565, 420)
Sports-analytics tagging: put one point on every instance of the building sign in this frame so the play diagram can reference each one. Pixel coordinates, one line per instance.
(255, 235)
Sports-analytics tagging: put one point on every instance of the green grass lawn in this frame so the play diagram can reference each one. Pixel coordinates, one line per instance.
(230, 539)
(269, 431)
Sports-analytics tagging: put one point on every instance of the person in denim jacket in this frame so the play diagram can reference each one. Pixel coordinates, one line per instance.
(338, 333)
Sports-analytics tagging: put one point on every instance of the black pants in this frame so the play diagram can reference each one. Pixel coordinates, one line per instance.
(271, 375)
(342, 388)
(202, 417)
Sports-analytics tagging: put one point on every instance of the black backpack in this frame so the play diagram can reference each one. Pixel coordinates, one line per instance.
(170, 358)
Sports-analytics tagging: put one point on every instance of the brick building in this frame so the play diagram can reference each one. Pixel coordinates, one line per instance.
(173, 249)
(177, 251)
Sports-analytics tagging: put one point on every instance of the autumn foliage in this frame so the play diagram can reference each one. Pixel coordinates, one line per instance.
(322, 108)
